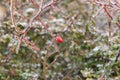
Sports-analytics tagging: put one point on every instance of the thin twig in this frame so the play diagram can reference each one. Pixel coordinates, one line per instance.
(117, 56)
(50, 65)
(12, 8)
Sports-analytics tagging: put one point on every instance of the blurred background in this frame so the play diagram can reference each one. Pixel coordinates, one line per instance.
(89, 51)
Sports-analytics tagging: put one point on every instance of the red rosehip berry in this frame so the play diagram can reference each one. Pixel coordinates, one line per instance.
(59, 39)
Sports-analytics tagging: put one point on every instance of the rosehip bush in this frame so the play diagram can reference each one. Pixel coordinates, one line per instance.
(60, 39)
